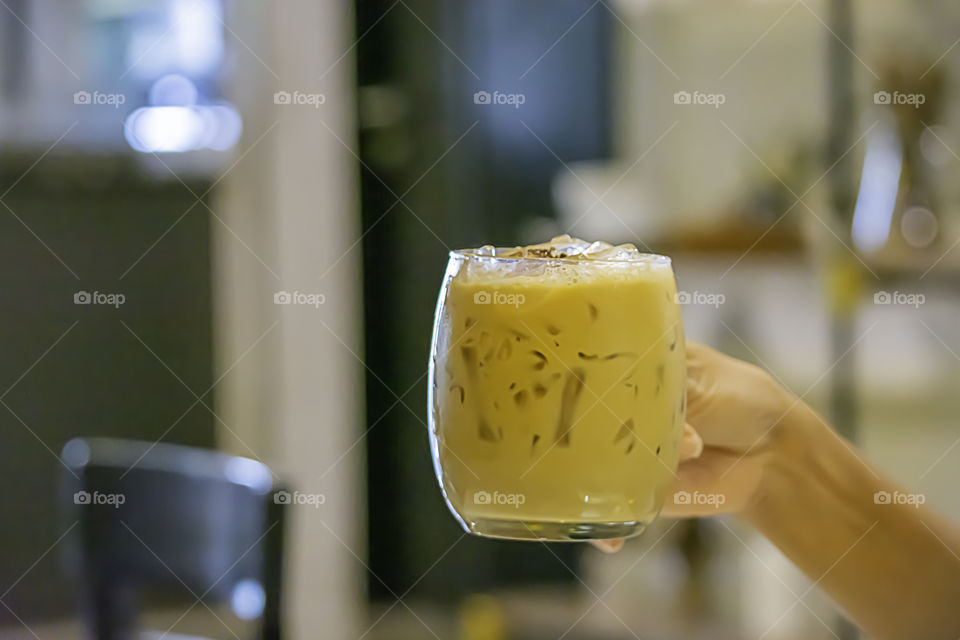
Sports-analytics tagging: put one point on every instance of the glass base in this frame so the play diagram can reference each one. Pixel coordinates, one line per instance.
(553, 531)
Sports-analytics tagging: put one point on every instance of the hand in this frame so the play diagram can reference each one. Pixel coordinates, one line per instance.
(735, 413)
(778, 465)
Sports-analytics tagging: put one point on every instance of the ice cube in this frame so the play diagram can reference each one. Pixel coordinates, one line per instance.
(597, 249)
(560, 247)
(567, 245)
(564, 246)
(511, 252)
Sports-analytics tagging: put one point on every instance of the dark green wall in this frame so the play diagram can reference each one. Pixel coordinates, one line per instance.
(99, 216)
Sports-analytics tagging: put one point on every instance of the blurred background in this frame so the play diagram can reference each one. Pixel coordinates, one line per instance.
(225, 224)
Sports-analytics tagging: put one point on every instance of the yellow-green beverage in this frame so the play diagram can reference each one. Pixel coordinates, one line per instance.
(557, 389)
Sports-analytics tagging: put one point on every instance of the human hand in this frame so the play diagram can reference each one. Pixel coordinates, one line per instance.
(735, 414)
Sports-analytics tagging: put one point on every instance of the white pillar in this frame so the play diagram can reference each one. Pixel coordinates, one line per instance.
(291, 211)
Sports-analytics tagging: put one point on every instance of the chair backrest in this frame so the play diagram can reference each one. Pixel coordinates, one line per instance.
(170, 519)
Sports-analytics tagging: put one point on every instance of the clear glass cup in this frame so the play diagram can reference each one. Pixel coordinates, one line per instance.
(557, 394)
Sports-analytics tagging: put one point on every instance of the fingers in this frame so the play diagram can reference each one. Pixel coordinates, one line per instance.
(692, 444)
(608, 546)
(698, 385)
(698, 356)
(716, 482)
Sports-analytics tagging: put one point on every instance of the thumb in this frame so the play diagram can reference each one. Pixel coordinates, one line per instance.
(692, 444)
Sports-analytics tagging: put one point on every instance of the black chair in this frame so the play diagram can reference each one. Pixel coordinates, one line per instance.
(169, 520)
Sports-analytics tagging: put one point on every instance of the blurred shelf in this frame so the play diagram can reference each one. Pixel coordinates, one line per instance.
(942, 262)
(736, 237)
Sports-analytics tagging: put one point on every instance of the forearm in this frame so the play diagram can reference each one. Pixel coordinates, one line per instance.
(894, 568)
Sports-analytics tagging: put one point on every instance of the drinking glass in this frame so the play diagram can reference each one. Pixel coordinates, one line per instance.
(557, 392)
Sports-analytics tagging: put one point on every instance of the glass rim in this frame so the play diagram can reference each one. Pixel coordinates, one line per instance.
(642, 259)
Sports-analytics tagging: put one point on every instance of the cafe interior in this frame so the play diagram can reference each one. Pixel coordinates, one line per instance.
(225, 225)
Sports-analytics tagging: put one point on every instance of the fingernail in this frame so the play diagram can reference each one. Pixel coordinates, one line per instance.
(692, 444)
(609, 546)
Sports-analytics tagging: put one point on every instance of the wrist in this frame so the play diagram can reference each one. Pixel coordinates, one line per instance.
(795, 460)
(812, 475)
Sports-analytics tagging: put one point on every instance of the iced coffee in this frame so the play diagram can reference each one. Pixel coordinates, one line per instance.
(557, 389)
